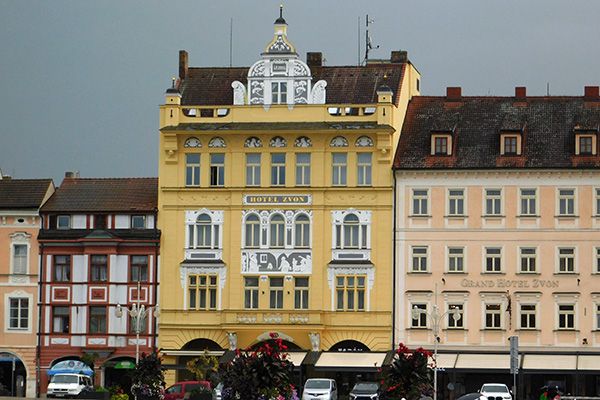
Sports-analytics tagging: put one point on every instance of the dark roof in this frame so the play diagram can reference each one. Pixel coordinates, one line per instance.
(99, 235)
(283, 126)
(345, 85)
(20, 194)
(548, 125)
(104, 195)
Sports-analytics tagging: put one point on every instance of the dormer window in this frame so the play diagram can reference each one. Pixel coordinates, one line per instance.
(585, 144)
(63, 222)
(510, 144)
(441, 144)
(279, 92)
(138, 221)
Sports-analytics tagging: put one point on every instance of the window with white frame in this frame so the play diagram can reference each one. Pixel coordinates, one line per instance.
(364, 169)
(598, 316)
(302, 231)
(456, 202)
(204, 232)
(493, 316)
(192, 169)
(566, 316)
(493, 259)
(60, 319)
(527, 316)
(277, 231)
(350, 292)
(493, 202)
(597, 191)
(566, 260)
(527, 257)
(418, 315)
(276, 292)
(251, 292)
(510, 145)
(566, 202)
(253, 169)
(202, 291)
(598, 260)
(339, 169)
(456, 259)
(419, 259)
(61, 269)
(252, 230)
(278, 92)
(302, 169)
(528, 202)
(278, 169)
(440, 145)
(455, 316)
(98, 268)
(63, 222)
(138, 267)
(420, 202)
(18, 313)
(20, 258)
(351, 234)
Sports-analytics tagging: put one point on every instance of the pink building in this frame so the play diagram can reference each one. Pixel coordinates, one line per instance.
(498, 207)
(20, 200)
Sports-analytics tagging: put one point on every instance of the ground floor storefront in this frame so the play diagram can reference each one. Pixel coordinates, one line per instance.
(17, 372)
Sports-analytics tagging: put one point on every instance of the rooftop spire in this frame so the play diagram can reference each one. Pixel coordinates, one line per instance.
(280, 20)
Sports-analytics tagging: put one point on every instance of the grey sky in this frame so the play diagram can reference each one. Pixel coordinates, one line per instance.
(81, 81)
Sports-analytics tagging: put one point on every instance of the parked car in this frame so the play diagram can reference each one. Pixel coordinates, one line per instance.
(178, 390)
(320, 388)
(217, 391)
(365, 391)
(472, 396)
(68, 385)
(495, 391)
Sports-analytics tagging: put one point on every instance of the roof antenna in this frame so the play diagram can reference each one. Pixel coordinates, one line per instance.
(547, 88)
(358, 41)
(368, 43)
(230, 42)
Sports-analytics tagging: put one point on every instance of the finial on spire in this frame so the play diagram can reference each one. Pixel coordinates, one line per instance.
(280, 20)
(173, 82)
(281, 11)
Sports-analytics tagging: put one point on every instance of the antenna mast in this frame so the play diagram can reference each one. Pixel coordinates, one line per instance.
(358, 41)
(230, 42)
(368, 43)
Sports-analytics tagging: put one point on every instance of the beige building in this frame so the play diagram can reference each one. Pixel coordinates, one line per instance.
(20, 200)
(498, 207)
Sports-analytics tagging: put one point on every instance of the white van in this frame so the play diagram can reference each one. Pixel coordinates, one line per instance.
(68, 385)
(320, 389)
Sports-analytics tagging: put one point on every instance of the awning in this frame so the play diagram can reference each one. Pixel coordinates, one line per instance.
(70, 367)
(296, 357)
(356, 361)
(483, 361)
(550, 362)
(445, 360)
(588, 363)
(124, 365)
(193, 353)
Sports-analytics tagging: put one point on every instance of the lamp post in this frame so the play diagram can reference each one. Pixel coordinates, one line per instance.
(435, 317)
(139, 312)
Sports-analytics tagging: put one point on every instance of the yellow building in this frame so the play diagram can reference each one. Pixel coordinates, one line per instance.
(275, 204)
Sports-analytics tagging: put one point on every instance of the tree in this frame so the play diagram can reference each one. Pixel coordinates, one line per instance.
(148, 377)
(204, 368)
(408, 376)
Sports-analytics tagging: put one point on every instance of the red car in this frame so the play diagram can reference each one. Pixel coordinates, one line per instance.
(178, 390)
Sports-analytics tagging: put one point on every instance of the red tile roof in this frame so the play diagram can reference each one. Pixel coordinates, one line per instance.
(104, 195)
(20, 194)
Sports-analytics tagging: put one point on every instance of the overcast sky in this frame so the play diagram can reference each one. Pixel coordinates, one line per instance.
(81, 81)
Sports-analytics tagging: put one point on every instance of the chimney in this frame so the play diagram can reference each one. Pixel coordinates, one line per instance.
(183, 64)
(520, 93)
(591, 93)
(314, 59)
(71, 174)
(453, 93)
(399, 56)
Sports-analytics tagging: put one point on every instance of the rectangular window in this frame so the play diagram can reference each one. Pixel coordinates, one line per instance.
(585, 145)
(139, 268)
(192, 169)
(566, 202)
(456, 259)
(597, 201)
(510, 145)
(61, 271)
(301, 293)
(60, 319)
(18, 313)
(528, 202)
(528, 316)
(19, 259)
(98, 268)
(279, 92)
(253, 169)
(364, 169)
(97, 319)
(598, 260)
(138, 222)
(566, 260)
(441, 146)
(528, 258)
(217, 169)
(598, 317)
(278, 169)
(455, 316)
(420, 202)
(302, 169)
(350, 292)
(493, 316)
(493, 201)
(418, 315)
(456, 202)
(419, 259)
(566, 316)
(339, 167)
(251, 292)
(493, 259)
(202, 290)
(63, 222)
(276, 292)
(100, 221)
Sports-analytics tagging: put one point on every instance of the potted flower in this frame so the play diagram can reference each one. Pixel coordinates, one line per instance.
(148, 378)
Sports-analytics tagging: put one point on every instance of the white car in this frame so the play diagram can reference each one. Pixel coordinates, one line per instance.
(320, 388)
(495, 391)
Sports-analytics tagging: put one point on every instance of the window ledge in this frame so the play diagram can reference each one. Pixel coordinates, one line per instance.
(566, 330)
(454, 329)
(529, 273)
(420, 272)
(525, 216)
(493, 273)
(528, 330)
(566, 273)
(456, 216)
(420, 216)
(566, 216)
(455, 273)
(493, 216)
(493, 329)
(418, 328)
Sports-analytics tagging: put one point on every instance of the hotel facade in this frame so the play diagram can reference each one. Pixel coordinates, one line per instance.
(275, 203)
(497, 218)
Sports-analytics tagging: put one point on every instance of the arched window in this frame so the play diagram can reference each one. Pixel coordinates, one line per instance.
(277, 230)
(302, 231)
(252, 231)
(350, 232)
(203, 234)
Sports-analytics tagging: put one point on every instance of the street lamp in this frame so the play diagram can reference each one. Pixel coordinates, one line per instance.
(435, 324)
(139, 312)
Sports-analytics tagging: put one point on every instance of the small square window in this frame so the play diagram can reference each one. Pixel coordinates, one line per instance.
(419, 259)
(138, 221)
(586, 145)
(510, 145)
(493, 259)
(63, 222)
(419, 315)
